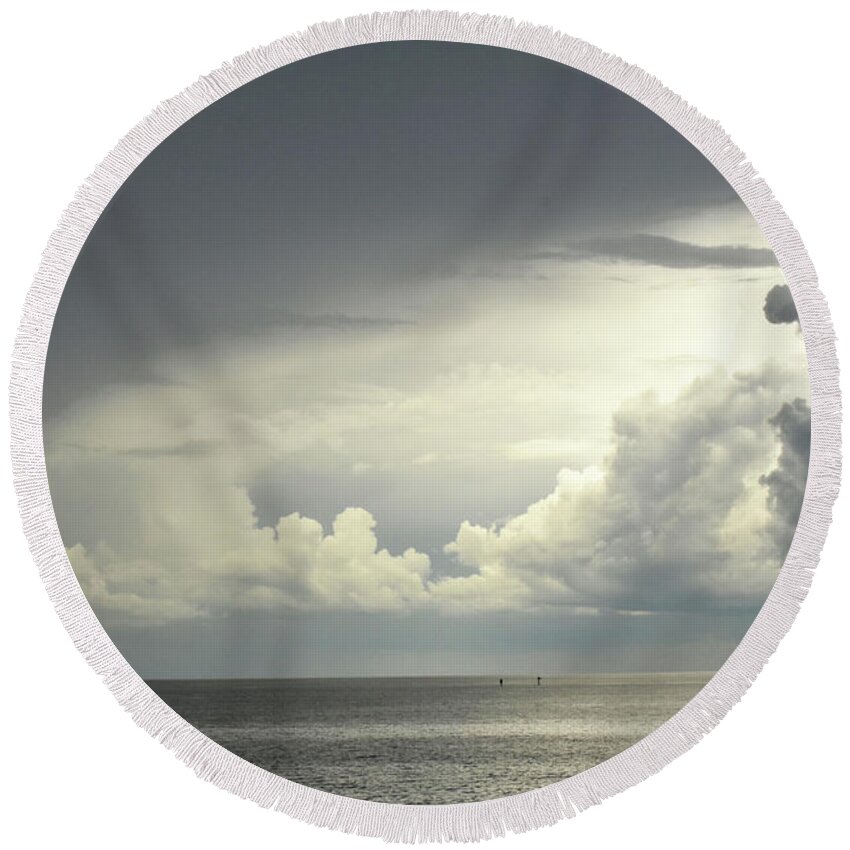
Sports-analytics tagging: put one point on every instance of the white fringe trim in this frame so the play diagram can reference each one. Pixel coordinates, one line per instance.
(467, 821)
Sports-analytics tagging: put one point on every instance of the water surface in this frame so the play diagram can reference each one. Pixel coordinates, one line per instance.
(429, 740)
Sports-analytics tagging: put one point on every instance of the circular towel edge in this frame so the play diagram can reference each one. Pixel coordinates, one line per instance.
(395, 822)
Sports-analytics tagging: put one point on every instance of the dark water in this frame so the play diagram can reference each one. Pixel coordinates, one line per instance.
(429, 740)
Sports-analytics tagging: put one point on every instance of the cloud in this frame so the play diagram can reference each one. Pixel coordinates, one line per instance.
(779, 306)
(379, 211)
(786, 484)
(337, 321)
(691, 511)
(675, 520)
(293, 567)
(653, 250)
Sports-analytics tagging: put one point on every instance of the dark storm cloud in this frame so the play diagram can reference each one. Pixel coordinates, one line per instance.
(786, 484)
(663, 251)
(320, 187)
(779, 306)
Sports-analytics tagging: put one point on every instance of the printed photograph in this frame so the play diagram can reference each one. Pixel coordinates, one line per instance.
(426, 422)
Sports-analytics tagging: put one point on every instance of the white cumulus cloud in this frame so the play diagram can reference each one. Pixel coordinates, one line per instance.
(682, 515)
(677, 518)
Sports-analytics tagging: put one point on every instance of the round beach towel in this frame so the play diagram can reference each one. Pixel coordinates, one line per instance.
(424, 424)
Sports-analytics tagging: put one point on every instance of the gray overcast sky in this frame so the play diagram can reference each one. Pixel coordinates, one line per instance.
(319, 187)
(423, 357)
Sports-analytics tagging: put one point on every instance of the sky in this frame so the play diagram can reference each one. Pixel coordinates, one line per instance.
(423, 358)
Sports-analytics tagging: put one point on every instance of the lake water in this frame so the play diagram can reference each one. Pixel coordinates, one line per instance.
(429, 740)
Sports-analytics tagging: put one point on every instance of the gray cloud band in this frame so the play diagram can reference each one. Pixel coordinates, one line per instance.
(663, 251)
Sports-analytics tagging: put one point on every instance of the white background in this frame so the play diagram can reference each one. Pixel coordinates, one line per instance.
(77, 76)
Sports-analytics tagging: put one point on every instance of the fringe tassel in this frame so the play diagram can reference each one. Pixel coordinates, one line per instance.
(468, 821)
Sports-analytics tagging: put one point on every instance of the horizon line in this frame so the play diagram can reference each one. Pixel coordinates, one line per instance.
(494, 676)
